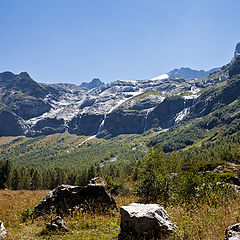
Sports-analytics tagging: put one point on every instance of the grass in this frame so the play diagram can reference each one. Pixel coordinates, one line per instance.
(193, 221)
(203, 221)
(145, 94)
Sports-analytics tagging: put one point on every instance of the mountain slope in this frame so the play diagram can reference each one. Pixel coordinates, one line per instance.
(120, 107)
(215, 113)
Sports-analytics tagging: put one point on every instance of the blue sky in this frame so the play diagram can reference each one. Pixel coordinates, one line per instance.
(77, 40)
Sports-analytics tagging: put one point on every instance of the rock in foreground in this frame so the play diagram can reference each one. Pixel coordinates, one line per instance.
(233, 232)
(57, 223)
(144, 221)
(66, 197)
(3, 231)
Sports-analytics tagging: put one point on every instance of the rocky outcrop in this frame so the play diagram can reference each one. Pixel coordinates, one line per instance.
(6, 78)
(29, 108)
(85, 124)
(164, 114)
(26, 85)
(124, 122)
(66, 197)
(143, 102)
(235, 67)
(230, 171)
(93, 84)
(48, 126)
(233, 232)
(11, 124)
(144, 221)
(237, 51)
(215, 98)
(188, 73)
(57, 224)
(3, 231)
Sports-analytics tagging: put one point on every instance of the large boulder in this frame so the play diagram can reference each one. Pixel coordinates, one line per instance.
(144, 221)
(3, 231)
(233, 232)
(66, 197)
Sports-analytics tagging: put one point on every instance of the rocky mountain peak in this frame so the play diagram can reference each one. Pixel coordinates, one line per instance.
(237, 51)
(96, 82)
(5, 76)
(24, 75)
(188, 73)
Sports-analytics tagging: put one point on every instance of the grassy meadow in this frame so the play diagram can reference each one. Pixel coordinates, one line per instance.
(194, 221)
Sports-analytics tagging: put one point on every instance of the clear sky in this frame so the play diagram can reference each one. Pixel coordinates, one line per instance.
(77, 40)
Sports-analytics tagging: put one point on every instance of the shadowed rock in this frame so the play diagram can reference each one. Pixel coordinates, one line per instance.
(57, 224)
(233, 232)
(144, 221)
(66, 197)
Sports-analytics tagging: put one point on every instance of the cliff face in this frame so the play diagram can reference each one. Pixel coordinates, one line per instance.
(120, 122)
(85, 124)
(11, 124)
(164, 115)
(48, 126)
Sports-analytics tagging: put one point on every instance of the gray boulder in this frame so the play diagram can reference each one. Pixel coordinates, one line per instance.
(233, 232)
(3, 231)
(144, 221)
(65, 197)
(57, 224)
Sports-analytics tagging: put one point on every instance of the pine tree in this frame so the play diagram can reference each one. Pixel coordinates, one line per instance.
(5, 171)
(36, 181)
(16, 178)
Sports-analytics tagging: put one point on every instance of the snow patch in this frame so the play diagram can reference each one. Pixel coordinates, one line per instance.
(161, 77)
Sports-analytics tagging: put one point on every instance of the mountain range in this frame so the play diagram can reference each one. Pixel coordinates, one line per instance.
(107, 110)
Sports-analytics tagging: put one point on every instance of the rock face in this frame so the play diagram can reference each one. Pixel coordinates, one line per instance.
(85, 124)
(237, 51)
(3, 231)
(94, 83)
(235, 67)
(144, 221)
(164, 114)
(188, 73)
(26, 85)
(66, 197)
(213, 99)
(10, 124)
(120, 122)
(233, 232)
(57, 224)
(48, 126)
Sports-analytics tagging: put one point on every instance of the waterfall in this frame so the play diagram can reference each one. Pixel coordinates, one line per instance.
(100, 128)
(179, 116)
(146, 116)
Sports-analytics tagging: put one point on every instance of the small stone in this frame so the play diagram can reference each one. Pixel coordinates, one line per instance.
(57, 223)
(3, 231)
(233, 232)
